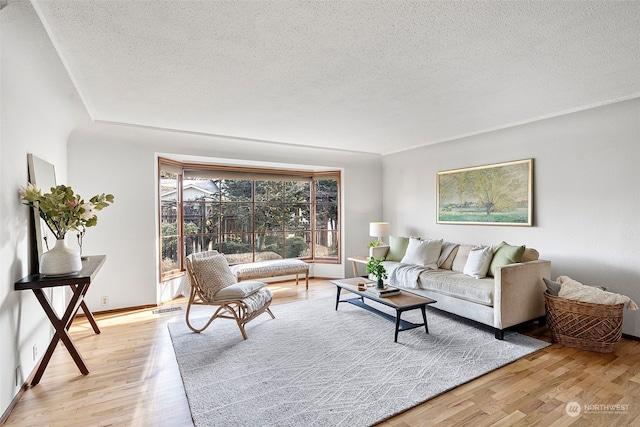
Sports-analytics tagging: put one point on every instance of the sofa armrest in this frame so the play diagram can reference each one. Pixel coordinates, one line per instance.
(518, 293)
(379, 251)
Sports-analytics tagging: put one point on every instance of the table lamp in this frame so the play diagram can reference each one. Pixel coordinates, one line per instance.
(379, 230)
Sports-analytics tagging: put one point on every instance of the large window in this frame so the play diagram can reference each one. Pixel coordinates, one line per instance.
(247, 214)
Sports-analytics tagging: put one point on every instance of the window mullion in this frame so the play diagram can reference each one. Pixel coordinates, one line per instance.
(312, 215)
(180, 215)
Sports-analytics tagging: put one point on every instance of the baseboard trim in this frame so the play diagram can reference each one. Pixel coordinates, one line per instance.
(14, 403)
(121, 310)
(19, 394)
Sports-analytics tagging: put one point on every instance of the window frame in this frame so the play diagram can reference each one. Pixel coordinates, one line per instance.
(255, 175)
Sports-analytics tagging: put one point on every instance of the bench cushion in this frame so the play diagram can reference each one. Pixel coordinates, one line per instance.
(279, 267)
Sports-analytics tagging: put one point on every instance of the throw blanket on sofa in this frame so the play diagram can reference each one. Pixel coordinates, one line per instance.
(574, 290)
(407, 274)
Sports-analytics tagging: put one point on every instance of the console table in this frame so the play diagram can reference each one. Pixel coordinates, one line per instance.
(79, 284)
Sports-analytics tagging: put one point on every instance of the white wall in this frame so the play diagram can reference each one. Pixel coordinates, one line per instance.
(586, 194)
(38, 107)
(122, 160)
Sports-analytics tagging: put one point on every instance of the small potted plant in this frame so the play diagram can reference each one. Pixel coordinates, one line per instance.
(375, 267)
(372, 245)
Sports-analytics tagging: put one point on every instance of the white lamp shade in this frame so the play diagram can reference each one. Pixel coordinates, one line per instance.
(378, 229)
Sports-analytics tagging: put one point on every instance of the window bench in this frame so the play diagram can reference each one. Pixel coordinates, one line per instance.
(273, 268)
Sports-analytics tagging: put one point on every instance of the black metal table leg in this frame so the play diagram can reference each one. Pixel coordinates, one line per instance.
(424, 318)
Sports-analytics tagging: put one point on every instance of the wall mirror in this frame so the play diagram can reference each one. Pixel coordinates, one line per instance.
(42, 174)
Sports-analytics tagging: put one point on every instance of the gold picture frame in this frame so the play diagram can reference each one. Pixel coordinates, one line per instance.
(496, 194)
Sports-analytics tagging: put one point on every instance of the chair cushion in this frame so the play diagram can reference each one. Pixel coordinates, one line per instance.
(238, 290)
(212, 274)
(257, 300)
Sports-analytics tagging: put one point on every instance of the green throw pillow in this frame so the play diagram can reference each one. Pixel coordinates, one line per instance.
(397, 248)
(505, 255)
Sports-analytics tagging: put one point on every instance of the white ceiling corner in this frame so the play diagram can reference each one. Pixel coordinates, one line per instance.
(371, 76)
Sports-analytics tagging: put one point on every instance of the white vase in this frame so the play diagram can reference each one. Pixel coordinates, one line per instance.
(60, 261)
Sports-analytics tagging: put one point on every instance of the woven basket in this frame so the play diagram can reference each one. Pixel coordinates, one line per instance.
(583, 325)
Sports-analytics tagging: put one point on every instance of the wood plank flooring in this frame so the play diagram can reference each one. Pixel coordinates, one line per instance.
(134, 380)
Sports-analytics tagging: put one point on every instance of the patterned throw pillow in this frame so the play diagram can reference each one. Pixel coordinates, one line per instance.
(213, 273)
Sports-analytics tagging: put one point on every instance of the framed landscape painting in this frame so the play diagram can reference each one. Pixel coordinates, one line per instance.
(498, 194)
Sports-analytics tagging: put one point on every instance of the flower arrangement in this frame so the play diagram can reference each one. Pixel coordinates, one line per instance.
(63, 210)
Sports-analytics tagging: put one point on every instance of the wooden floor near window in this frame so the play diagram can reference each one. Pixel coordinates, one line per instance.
(134, 380)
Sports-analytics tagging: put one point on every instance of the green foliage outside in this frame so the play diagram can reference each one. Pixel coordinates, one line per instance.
(296, 247)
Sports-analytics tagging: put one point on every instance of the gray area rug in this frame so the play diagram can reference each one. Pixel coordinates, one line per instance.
(314, 366)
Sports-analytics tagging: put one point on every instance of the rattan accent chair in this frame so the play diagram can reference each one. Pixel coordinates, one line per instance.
(212, 283)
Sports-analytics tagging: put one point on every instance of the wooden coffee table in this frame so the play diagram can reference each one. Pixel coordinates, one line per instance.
(404, 301)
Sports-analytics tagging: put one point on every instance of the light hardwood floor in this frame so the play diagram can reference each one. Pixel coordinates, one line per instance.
(134, 380)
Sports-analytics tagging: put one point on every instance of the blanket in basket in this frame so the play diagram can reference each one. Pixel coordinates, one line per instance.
(574, 290)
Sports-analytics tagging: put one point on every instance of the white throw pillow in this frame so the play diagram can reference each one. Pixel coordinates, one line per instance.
(478, 262)
(239, 290)
(423, 252)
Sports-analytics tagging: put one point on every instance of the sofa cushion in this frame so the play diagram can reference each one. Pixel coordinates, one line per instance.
(461, 258)
(478, 262)
(505, 254)
(448, 263)
(445, 253)
(397, 248)
(530, 254)
(423, 252)
(458, 285)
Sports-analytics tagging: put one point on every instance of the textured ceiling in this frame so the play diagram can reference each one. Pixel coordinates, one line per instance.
(373, 76)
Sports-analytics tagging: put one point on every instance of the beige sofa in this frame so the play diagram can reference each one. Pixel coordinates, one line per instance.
(513, 295)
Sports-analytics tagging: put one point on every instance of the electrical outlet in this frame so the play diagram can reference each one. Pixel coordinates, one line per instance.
(104, 301)
(35, 351)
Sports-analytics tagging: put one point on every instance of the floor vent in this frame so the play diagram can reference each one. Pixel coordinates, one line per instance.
(166, 310)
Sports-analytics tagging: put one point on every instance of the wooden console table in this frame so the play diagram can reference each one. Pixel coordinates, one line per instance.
(79, 284)
(355, 260)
